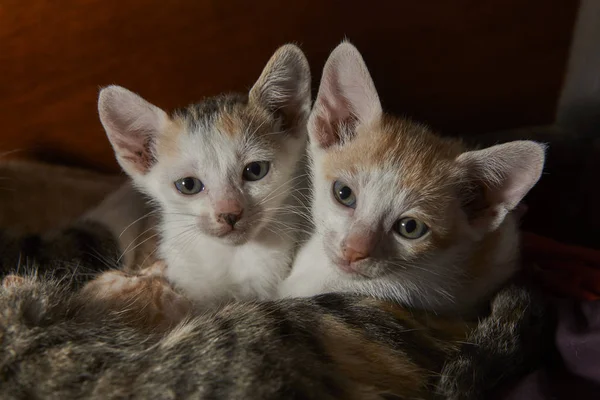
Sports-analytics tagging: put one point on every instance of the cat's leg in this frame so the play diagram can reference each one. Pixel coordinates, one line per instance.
(145, 299)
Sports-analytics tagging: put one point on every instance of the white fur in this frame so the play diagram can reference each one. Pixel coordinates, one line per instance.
(210, 268)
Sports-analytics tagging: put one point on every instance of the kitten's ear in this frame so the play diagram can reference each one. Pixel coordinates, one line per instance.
(284, 86)
(347, 96)
(132, 125)
(503, 174)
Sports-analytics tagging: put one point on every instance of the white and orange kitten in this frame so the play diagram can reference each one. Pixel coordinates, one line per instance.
(401, 213)
(223, 173)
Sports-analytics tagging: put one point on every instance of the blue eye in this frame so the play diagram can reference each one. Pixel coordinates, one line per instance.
(411, 228)
(256, 170)
(189, 185)
(343, 194)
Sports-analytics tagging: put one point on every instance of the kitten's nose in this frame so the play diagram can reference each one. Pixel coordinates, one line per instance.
(358, 247)
(229, 219)
(228, 211)
(352, 255)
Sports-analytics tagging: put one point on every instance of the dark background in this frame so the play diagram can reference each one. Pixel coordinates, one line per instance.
(463, 66)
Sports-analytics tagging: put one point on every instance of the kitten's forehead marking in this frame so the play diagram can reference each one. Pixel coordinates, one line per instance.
(168, 142)
(404, 150)
(232, 116)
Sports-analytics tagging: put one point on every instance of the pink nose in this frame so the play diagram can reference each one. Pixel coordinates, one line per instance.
(358, 247)
(352, 255)
(228, 211)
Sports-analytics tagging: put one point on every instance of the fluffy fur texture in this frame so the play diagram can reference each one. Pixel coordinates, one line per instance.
(235, 236)
(519, 334)
(395, 175)
(55, 344)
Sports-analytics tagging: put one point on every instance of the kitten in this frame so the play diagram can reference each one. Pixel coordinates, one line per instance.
(401, 213)
(56, 344)
(224, 174)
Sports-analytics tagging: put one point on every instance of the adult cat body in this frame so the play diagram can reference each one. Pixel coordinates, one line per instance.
(56, 344)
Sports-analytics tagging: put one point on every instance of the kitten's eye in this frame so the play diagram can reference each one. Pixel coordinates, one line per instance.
(256, 170)
(343, 194)
(411, 228)
(189, 185)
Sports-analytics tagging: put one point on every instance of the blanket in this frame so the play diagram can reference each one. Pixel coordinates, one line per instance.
(572, 275)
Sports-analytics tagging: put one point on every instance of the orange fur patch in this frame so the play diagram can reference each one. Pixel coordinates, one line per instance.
(372, 365)
(166, 144)
(145, 300)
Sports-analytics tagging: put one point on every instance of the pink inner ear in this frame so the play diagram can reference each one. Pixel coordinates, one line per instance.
(515, 187)
(326, 132)
(136, 149)
(331, 114)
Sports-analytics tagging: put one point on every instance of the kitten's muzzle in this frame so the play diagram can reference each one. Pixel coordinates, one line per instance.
(229, 218)
(228, 211)
(358, 247)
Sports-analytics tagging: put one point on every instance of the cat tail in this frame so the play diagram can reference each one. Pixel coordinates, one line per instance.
(514, 339)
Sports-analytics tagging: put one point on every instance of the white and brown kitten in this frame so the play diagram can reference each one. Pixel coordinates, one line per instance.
(401, 213)
(224, 174)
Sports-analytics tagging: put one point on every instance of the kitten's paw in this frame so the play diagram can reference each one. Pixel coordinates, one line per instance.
(12, 281)
(159, 268)
(111, 285)
(146, 299)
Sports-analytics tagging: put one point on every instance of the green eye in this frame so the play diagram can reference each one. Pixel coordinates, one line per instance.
(189, 185)
(411, 228)
(343, 194)
(256, 170)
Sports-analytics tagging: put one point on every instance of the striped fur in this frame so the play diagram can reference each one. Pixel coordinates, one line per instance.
(56, 345)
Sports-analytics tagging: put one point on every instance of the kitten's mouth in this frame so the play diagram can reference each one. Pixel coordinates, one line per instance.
(234, 236)
(353, 270)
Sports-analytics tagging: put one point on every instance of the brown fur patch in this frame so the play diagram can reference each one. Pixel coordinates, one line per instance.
(370, 364)
(453, 329)
(230, 124)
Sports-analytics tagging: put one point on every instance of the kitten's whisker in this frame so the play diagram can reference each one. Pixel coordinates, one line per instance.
(133, 241)
(281, 187)
(136, 221)
(136, 246)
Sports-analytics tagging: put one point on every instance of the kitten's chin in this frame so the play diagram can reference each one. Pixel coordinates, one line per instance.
(240, 235)
(234, 237)
(356, 270)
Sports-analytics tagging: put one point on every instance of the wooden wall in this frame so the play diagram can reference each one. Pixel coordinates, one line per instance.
(463, 66)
